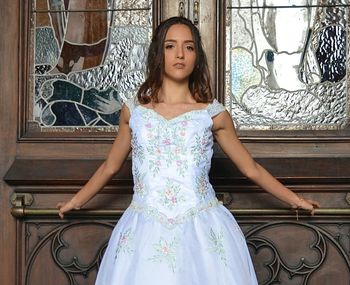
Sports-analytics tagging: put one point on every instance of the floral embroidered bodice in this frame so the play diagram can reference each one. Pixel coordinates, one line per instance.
(171, 159)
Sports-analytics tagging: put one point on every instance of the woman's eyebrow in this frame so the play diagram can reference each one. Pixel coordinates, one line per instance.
(186, 41)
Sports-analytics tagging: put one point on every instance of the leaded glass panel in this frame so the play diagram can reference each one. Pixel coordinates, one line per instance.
(88, 58)
(286, 64)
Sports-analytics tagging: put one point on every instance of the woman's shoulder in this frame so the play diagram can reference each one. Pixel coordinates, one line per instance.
(131, 103)
(215, 107)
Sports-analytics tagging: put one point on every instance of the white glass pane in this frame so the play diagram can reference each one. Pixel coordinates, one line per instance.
(286, 66)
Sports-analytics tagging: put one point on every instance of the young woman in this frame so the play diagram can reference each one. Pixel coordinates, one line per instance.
(175, 231)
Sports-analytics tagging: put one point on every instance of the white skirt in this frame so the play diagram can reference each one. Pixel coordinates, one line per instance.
(209, 249)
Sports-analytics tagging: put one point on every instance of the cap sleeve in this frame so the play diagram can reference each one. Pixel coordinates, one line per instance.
(215, 108)
(131, 103)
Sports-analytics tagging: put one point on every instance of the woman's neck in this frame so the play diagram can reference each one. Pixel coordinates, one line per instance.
(174, 92)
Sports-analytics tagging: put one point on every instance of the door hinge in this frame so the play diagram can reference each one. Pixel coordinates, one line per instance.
(190, 10)
(347, 198)
(21, 199)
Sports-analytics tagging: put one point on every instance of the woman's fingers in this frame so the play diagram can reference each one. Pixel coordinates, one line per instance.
(315, 203)
(311, 205)
(312, 211)
(307, 204)
(62, 208)
(59, 205)
(65, 207)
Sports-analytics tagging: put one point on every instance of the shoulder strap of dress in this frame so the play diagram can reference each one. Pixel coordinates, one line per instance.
(215, 108)
(131, 103)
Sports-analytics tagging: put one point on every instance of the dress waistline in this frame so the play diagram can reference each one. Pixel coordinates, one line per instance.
(171, 222)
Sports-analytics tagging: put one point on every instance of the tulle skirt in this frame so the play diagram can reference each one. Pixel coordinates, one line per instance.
(209, 249)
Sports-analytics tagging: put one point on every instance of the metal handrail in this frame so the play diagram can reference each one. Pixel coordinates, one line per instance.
(24, 212)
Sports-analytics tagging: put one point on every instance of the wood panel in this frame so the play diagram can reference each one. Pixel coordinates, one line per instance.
(291, 252)
(76, 171)
(51, 170)
(9, 15)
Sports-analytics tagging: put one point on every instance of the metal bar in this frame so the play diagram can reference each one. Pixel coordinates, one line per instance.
(89, 10)
(22, 212)
(292, 6)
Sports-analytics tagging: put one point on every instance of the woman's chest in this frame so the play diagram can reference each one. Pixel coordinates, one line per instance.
(148, 127)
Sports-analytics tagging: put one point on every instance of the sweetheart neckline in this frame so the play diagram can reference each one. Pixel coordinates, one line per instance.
(178, 116)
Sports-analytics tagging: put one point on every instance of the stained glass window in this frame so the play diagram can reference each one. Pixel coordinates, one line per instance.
(88, 58)
(286, 64)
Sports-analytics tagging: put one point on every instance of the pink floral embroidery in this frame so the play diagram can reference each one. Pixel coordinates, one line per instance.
(167, 141)
(199, 148)
(202, 185)
(170, 196)
(139, 186)
(165, 251)
(137, 149)
(124, 243)
(163, 134)
(216, 241)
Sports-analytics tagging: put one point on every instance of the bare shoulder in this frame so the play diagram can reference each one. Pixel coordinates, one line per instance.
(124, 115)
(124, 130)
(222, 121)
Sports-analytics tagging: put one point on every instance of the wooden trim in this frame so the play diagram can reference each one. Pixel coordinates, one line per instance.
(60, 172)
(157, 7)
(302, 136)
(23, 63)
(220, 50)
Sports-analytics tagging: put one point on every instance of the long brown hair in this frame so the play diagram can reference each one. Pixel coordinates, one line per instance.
(199, 81)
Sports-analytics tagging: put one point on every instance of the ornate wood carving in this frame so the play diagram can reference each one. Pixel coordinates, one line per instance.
(284, 252)
(310, 250)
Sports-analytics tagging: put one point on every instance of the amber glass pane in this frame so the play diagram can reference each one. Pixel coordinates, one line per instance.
(88, 59)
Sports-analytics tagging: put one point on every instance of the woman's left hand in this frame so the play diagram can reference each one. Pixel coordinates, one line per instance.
(306, 204)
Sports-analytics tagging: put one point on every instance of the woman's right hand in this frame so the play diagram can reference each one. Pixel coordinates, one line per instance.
(64, 207)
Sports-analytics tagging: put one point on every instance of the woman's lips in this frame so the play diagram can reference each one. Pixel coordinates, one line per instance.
(179, 65)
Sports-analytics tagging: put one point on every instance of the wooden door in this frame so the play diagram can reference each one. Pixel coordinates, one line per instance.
(51, 144)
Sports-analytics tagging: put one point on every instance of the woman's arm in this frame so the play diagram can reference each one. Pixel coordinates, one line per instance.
(115, 159)
(225, 134)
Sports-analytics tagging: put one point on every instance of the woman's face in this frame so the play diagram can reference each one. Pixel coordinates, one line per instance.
(179, 53)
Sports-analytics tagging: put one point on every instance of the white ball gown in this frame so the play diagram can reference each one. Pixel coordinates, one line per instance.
(175, 231)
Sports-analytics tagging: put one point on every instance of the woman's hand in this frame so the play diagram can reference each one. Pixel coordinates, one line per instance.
(306, 204)
(64, 207)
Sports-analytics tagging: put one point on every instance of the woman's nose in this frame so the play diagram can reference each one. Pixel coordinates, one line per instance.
(179, 53)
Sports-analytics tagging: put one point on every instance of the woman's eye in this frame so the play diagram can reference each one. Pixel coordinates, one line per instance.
(191, 48)
(169, 46)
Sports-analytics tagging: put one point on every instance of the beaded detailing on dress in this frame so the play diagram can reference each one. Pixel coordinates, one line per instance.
(215, 108)
(172, 222)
